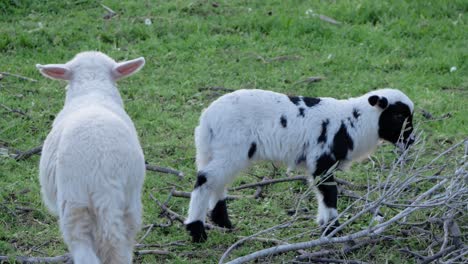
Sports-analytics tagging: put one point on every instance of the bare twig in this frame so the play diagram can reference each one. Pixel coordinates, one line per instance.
(216, 88)
(21, 259)
(164, 170)
(268, 182)
(18, 76)
(28, 153)
(177, 193)
(151, 252)
(110, 13)
(17, 111)
(233, 246)
(309, 80)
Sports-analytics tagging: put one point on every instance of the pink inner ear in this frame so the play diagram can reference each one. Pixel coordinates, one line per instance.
(56, 72)
(127, 69)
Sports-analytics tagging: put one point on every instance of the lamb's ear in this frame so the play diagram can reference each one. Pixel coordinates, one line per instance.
(382, 102)
(127, 68)
(55, 71)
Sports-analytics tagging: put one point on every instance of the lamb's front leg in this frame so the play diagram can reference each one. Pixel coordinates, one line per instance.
(327, 196)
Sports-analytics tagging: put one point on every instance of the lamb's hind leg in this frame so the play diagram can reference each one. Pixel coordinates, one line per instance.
(76, 224)
(327, 196)
(211, 181)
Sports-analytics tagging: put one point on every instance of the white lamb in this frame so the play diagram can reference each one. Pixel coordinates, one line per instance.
(318, 133)
(92, 166)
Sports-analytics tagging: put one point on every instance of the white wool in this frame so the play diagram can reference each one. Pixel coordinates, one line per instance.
(92, 166)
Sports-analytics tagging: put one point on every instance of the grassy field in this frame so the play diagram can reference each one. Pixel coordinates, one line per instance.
(189, 45)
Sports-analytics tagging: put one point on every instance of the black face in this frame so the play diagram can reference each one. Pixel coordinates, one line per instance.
(395, 118)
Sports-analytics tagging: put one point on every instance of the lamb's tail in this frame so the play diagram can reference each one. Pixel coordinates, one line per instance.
(203, 137)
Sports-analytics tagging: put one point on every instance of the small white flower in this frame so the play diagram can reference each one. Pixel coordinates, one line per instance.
(330, 56)
(148, 22)
(249, 9)
(40, 25)
(309, 12)
(453, 68)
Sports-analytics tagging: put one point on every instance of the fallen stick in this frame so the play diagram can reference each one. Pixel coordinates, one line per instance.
(151, 252)
(181, 194)
(37, 150)
(28, 153)
(18, 76)
(268, 182)
(164, 170)
(17, 111)
(66, 258)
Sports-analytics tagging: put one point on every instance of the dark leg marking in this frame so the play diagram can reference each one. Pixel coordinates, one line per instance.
(219, 215)
(283, 121)
(324, 162)
(301, 111)
(294, 99)
(323, 135)
(201, 179)
(356, 113)
(197, 231)
(252, 149)
(329, 192)
(310, 101)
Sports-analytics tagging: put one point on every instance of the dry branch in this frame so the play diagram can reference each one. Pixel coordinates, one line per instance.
(182, 194)
(164, 170)
(269, 182)
(151, 252)
(110, 13)
(448, 193)
(28, 153)
(37, 150)
(18, 76)
(21, 259)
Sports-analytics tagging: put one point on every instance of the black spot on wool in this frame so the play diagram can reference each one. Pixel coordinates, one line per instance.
(301, 111)
(201, 179)
(252, 149)
(197, 231)
(283, 121)
(219, 215)
(302, 158)
(342, 142)
(323, 135)
(351, 123)
(294, 99)
(356, 113)
(311, 101)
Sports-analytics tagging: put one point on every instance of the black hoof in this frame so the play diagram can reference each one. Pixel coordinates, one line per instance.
(219, 215)
(331, 227)
(197, 231)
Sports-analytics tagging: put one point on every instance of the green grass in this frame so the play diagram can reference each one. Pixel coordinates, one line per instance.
(410, 45)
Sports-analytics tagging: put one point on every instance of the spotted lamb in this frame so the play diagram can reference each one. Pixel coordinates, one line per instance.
(92, 166)
(317, 133)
